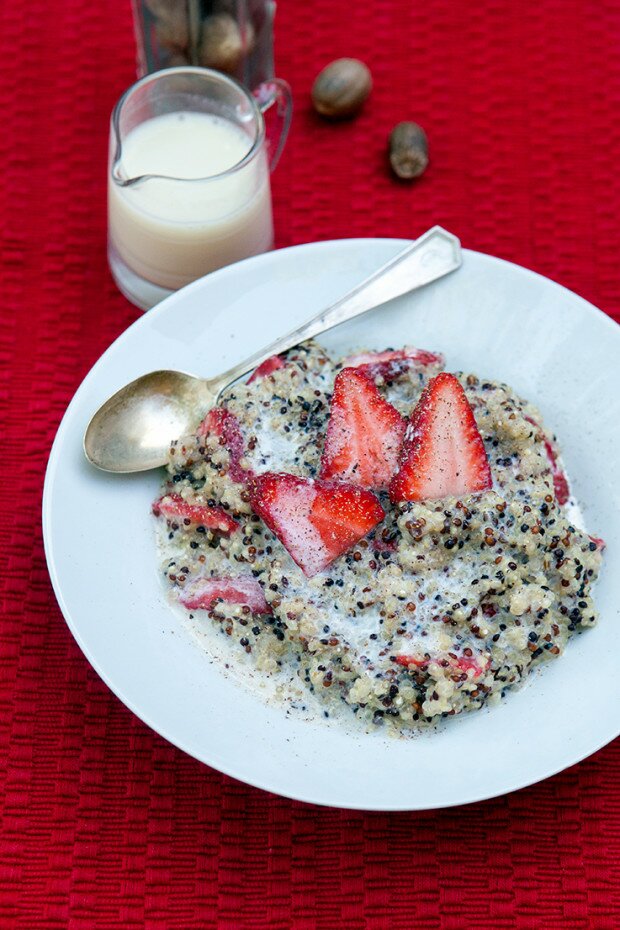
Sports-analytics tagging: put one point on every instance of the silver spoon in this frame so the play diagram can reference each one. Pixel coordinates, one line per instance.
(133, 430)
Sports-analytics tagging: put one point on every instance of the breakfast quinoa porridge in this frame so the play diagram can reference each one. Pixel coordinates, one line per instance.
(404, 538)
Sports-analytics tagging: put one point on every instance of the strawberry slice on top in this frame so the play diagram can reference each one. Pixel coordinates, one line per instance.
(222, 423)
(364, 433)
(244, 590)
(560, 481)
(271, 364)
(478, 664)
(174, 507)
(316, 521)
(443, 454)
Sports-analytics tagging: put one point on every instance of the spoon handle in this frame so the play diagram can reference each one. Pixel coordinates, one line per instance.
(433, 255)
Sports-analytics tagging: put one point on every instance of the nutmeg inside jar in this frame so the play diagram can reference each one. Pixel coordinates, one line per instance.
(232, 36)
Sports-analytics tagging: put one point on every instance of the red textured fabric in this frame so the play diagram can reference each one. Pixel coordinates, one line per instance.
(103, 824)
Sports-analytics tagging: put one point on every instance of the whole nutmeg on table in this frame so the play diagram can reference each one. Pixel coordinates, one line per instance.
(408, 150)
(341, 88)
(222, 46)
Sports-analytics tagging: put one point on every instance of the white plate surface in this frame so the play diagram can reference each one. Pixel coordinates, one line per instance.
(491, 317)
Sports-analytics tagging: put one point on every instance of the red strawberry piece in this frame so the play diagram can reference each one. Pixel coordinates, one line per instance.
(270, 365)
(174, 507)
(316, 521)
(560, 486)
(443, 454)
(463, 663)
(478, 664)
(344, 514)
(560, 482)
(225, 425)
(378, 544)
(243, 590)
(364, 433)
(391, 364)
(598, 542)
(413, 661)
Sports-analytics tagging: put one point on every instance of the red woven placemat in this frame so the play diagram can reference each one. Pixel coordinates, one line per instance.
(104, 825)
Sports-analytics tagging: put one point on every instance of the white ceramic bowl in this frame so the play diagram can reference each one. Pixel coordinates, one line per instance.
(491, 317)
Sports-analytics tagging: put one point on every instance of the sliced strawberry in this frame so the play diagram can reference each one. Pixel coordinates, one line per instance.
(225, 425)
(392, 364)
(243, 590)
(463, 663)
(270, 365)
(343, 514)
(443, 454)
(598, 542)
(378, 544)
(478, 664)
(412, 661)
(560, 481)
(364, 433)
(316, 521)
(174, 507)
(560, 486)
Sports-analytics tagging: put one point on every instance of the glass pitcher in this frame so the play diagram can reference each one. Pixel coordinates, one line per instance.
(189, 178)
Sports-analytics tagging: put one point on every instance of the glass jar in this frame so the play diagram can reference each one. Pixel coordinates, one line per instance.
(232, 36)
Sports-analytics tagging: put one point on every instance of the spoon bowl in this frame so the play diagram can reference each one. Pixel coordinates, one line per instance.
(132, 431)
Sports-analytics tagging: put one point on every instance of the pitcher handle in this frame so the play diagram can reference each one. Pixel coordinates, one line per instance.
(275, 91)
